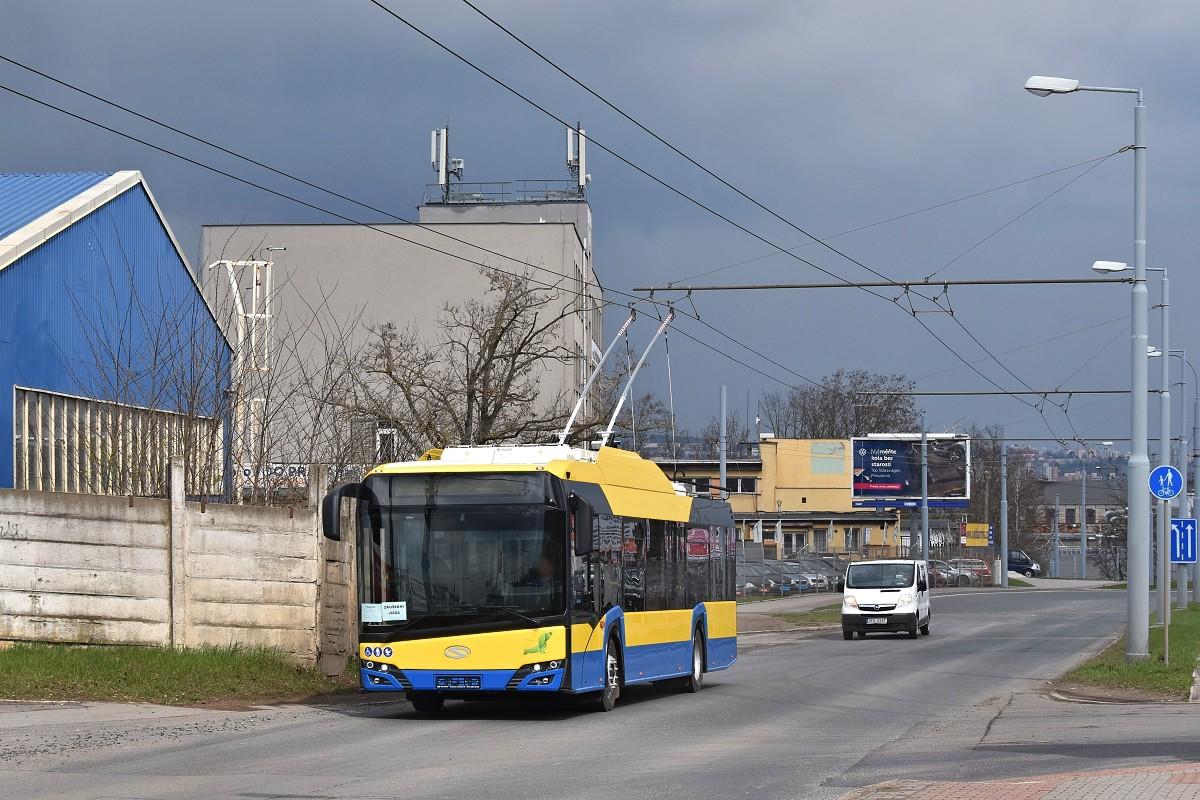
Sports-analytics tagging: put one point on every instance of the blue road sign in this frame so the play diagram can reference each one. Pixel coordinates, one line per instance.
(1183, 541)
(1165, 482)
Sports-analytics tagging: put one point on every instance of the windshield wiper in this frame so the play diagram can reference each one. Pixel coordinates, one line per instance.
(506, 609)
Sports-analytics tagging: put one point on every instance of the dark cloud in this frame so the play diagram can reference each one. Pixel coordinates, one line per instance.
(836, 114)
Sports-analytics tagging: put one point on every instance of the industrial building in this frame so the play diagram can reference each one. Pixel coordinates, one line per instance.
(359, 276)
(111, 362)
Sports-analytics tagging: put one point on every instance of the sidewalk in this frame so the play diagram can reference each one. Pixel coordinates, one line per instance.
(1171, 782)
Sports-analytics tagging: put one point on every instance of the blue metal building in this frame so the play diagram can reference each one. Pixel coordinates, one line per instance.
(111, 361)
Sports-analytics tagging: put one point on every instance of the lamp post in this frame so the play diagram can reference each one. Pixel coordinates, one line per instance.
(1137, 638)
(1163, 569)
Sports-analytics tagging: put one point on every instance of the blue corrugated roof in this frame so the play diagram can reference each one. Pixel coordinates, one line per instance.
(25, 196)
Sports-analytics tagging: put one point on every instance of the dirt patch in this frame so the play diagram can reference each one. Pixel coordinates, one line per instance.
(1073, 690)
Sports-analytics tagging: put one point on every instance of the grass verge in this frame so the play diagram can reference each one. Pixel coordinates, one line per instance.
(1109, 669)
(157, 674)
(1020, 584)
(817, 616)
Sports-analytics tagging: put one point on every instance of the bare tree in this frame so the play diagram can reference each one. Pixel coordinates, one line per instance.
(476, 379)
(844, 404)
(736, 432)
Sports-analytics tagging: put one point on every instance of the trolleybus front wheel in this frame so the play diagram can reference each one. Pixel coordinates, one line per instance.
(612, 677)
(427, 702)
(694, 682)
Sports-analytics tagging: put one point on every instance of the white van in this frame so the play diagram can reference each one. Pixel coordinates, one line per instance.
(887, 595)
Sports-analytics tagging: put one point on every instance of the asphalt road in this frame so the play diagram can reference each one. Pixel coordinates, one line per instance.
(797, 717)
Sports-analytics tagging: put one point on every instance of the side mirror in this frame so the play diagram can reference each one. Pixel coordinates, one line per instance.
(922, 586)
(581, 512)
(331, 509)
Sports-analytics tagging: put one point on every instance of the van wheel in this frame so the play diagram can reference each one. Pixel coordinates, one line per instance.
(912, 632)
(1028, 573)
(612, 677)
(847, 635)
(925, 628)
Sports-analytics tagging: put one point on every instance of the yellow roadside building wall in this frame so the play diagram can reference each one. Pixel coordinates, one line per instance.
(801, 491)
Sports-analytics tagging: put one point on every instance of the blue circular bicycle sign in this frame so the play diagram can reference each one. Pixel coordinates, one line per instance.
(1165, 482)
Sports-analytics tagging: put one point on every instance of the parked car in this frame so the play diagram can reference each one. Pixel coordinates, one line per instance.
(796, 577)
(835, 570)
(817, 581)
(945, 575)
(1019, 561)
(975, 566)
(833, 580)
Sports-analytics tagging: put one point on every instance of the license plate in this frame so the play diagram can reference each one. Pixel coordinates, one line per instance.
(457, 682)
(877, 620)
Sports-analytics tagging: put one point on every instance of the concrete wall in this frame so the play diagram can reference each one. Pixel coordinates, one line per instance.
(116, 570)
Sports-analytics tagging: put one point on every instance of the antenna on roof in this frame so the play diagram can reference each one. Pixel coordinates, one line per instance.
(439, 148)
(577, 156)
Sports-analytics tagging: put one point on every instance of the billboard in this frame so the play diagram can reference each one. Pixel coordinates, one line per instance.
(889, 466)
(976, 534)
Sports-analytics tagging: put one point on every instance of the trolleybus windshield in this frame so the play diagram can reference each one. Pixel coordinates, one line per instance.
(447, 549)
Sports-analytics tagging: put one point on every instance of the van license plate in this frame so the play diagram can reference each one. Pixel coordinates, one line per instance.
(877, 620)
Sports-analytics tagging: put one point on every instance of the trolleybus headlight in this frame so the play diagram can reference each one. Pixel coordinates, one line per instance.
(537, 667)
(369, 665)
(383, 667)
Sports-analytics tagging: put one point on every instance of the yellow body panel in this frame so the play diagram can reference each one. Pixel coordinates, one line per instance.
(496, 650)
(634, 486)
(657, 627)
(722, 619)
(584, 637)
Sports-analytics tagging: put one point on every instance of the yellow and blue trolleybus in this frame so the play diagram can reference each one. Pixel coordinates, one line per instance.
(547, 568)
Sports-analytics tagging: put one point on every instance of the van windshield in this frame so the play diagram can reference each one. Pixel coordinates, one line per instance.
(880, 576)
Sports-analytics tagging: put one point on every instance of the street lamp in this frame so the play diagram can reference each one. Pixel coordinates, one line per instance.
(1163, 567)
(1137, 638)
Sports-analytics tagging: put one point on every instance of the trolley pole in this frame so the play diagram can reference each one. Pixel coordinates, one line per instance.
(723, 444)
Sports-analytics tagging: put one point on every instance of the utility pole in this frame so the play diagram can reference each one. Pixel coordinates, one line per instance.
(924, 491)
(723, 445)
(1054, 541)
(1181, 570)
(1083, 519)
(1164, 449)
(1004, 514)
(1195, 568)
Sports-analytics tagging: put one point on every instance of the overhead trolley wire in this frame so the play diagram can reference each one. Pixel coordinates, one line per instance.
(672, 188)
(635, 299)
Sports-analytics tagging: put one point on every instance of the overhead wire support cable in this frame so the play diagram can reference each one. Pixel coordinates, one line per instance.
(635, 298)
(464, 60)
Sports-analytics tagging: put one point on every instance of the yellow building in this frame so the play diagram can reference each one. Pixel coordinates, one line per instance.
(793, 495)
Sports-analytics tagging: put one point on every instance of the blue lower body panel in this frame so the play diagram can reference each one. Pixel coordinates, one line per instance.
(461, 681)
(722, 653)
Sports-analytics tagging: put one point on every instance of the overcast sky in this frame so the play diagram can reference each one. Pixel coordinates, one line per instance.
(834, 114)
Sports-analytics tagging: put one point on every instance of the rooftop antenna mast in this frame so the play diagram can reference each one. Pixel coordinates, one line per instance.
(577, 156)
(439, 149)
(629, 383)
(583, 393)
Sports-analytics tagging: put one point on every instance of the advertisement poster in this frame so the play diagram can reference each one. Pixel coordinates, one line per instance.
(891, 467)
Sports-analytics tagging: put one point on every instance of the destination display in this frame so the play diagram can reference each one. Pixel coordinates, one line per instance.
(887, 467)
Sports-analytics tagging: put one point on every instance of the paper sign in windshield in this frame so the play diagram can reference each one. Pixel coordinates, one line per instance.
(395, 612)
(371, 613)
